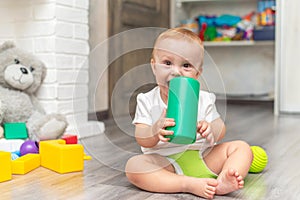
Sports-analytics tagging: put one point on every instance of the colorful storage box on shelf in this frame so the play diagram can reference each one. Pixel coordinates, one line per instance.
(264, 33)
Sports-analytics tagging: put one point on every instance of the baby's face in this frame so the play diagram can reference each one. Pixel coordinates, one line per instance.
(174, 58)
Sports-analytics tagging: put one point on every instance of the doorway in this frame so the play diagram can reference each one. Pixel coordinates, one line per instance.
(130, 67)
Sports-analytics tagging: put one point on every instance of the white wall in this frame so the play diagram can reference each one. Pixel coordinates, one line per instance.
(288, 70)
(98, 86)
(57, 32)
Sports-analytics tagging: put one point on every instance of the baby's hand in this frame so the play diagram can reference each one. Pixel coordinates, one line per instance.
(159, 128)
(205, 130)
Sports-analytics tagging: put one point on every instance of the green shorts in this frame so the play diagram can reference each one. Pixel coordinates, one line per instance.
(190, 163)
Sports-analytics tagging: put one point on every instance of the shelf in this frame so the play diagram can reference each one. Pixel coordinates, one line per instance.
(236, 61)
(179, 3)
(239, 43)
(191, 1)
(246, 97)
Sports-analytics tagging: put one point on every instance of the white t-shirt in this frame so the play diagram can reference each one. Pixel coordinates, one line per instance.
(150, 107)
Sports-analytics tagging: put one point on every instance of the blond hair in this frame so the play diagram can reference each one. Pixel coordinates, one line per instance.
(180, 33)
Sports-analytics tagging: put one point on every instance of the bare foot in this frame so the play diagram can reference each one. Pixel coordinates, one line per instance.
(228, 181)
(203, 187)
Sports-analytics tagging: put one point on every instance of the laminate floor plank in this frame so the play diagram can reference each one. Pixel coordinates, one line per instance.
(103, 177)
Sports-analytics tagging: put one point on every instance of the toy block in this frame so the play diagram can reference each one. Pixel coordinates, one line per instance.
(87, 157)
(14, 156)
(70, 139)
(15, 130)
(5, 166)
(10, 145)
(56, 155)
(26, 163)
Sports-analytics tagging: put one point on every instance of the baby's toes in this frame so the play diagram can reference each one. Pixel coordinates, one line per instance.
(236, 174)
(239, 178)
(241, 184)
(232, 172)
(209, 194)
(211, 189)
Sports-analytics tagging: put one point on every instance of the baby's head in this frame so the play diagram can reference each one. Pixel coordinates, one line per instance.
(177, 52)
(176, 35)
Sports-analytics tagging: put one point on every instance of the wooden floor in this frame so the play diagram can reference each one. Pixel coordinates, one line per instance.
(103, 176)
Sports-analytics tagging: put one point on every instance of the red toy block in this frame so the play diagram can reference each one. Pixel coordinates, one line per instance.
(70, 139)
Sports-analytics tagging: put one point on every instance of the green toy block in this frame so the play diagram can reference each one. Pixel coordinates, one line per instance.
(15, 130)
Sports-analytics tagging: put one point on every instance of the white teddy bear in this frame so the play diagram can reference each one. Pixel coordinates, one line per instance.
(21, 74)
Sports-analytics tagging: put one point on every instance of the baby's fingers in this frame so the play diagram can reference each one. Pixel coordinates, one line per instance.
(210, 139)
(169, 122)
(166, 121)
(164, 133)
(202, 126)
(163, 139)
(206, 132)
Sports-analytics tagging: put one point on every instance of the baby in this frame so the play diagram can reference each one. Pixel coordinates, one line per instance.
(203, 170)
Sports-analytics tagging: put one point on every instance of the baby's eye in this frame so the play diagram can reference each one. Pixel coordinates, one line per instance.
(31, 69)
(187, 65)
(167, 62)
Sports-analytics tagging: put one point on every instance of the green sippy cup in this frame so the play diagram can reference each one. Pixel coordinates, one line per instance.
(183, 107)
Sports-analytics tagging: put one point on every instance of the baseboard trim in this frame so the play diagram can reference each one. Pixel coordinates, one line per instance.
(98, 116)
(250, 102)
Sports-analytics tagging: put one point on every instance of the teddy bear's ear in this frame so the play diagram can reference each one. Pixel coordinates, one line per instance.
(7, 45)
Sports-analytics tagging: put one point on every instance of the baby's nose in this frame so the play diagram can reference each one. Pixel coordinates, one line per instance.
(24, 70)
(175, 71)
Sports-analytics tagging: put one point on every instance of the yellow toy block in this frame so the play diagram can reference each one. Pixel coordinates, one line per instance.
(26, 163)
(87, 157)
(5, 166)
(61, 157)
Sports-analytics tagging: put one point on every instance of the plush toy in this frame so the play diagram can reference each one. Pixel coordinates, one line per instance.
(1, 129)
(21, 74)
(1, 132)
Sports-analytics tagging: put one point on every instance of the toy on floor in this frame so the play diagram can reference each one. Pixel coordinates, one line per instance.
(70, 139)
(73, 139)
(15, 155)
(29, 146)
(5, 166)
(26, 163)
(55, 155)
(260, 159)
(60, 157)
(16, 130)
